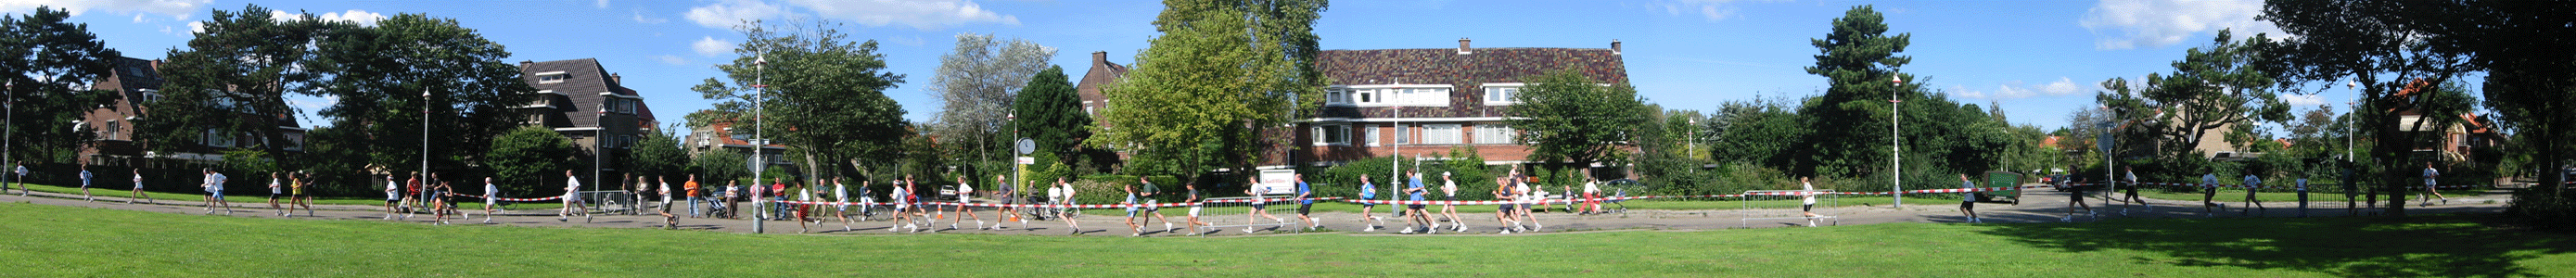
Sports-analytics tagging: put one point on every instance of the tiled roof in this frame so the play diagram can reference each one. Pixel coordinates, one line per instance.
(585, 79)
(1464, 72)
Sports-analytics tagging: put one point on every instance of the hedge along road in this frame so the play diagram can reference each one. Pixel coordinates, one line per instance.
(2037, 206)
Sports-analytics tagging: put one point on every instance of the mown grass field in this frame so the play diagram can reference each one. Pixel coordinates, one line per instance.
(52, 241)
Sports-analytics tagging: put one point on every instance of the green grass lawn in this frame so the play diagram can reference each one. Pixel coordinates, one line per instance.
(74, 242)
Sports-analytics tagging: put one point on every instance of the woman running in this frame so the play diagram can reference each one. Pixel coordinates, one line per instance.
(965, 195)
(393, 197)
(138, 189)
(295, 194)
(276, 189)
(901, 204)
(1448, 205)
(491, 199)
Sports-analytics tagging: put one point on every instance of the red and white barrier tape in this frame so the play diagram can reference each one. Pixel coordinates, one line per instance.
(1058, 206)
(521, 199)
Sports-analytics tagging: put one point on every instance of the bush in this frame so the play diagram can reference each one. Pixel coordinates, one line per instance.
(2542, 210)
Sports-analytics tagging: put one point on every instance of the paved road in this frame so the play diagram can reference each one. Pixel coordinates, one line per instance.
(2039, 206)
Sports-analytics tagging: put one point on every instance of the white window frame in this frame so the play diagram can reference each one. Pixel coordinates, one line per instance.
(1373, 133)
(1501, 94)
(1403, 134)
(551, 77)
(1338, 96)
(1494, 134)
(1408, 95)
(1443, 134)
(1332, 134)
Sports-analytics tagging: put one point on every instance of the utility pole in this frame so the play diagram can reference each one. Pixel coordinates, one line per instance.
(759, 145)
(1892, 134)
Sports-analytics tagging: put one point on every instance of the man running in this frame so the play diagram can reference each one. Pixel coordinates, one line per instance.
(1448, 205)
(1808, 208)
(85, 176)
(22, 179)
(491, 199)
(393, 197)
(1010, 201)
(1306, 202)
(669, 221)
(214, 191)
(138, 189)
(2209, 195)
(902, 202)
(1368, 198)
(572, 203)
(1255, 189)
(840, 194)
(1069, 202)
(1503, 192)
(1145, 193)
(276, 189)
(2130, 177)
(1416, 219)
(438, 205)
(2252, 184)
(965, 196)
(1195, 203)
(2430, 176)
(1968, 200)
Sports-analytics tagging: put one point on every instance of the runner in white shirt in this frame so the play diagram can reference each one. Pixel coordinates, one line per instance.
(2252, 184)
(669, 221)
(1069, 200)
(1255, 189)
(1523, 208)
(138, 189)
(1449, 193)
(901, 204)
(22, 180)
(491, 199)
(2209, 195)
(393, 196)
(572, 203)
(965, 196)
(841, 193)
(276, 189)
(85, 177)
(1809, 206)
(214, 192)
(2130, 176)
(2430, 176)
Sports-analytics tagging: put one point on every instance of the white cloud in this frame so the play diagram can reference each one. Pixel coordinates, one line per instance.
(603, 4)
(729, 12)
(907, 41)
(176, 8)
(1963, 92)
(2063, 86)
(362, 17)
(196, 27)
(924, 15)
(1713, 10)
(2012, 91)
(2125, 24)
(138, 18)
(2303, 99)
(640, 18)
(674, 60)
(711, 47)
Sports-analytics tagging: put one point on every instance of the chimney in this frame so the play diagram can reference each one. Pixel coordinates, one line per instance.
(614, 79)
(1614, 46)
(524, 64)
(1462, 47)
(1099, 57)
(156, 65)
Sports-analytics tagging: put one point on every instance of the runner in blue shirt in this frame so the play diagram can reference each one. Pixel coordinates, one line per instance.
(1305, 204)
(1968, 203)
(1413, 191)
(1368, 192)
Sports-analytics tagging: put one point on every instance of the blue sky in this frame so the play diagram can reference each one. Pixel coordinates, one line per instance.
(2040, 60)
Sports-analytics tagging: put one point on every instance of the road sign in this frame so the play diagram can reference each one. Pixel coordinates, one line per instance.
(1027, 146)
(1028, 160)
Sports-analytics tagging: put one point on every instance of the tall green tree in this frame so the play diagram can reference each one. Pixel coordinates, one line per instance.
(1051, 114)
(2212, 89)
(715, 168)
(1223, 73)
(230, 84)
(824, 93)
(976, 83)
(1572, 120)
(388, 76)
(2531, 77)
(526, 159)
(1858, 60)
(659, 154)
(2388, 47)
(48, 64)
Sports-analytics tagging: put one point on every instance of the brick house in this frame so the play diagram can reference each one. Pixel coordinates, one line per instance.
(137, 82)
(584, 101)
(1423, 102)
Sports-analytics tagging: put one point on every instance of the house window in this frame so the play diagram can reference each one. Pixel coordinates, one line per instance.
(1403, 135)
(1502, 95)
(1494, 134)
(551, 77)
(1333, 134)
(1366, 96)
(1373, 134)
(150, 95)
(1337, 97)
(113, 129)
(1440, 134)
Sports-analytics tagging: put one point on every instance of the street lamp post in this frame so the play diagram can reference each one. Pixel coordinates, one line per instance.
(424, 134)
(1892, 134)
(759, 145)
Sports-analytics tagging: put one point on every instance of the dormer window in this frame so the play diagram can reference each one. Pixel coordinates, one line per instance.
(551, 77)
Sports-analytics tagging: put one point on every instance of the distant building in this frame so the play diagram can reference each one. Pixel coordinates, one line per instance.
(1426, 101)
(2451, 140)
(137, 82)
(719, 136)
(585, 102)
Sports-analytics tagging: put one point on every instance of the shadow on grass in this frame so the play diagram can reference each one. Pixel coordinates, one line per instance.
(2421, 246)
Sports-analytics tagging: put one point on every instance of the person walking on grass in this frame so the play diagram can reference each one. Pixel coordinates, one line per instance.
(393, 197)
(2252, 184)
(1416, 218)
(276, 189)
(1255, 189)
(1448, 204)
(2130, 177)
(1368, 199)
(572, 203)
(138, 189)
(965, 196)
(1968, 200)
(215, 192)
(491, 200)
(1808, 208)
(1069, 202)
(85, 177)
(2209, 195)
(2430, 176)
